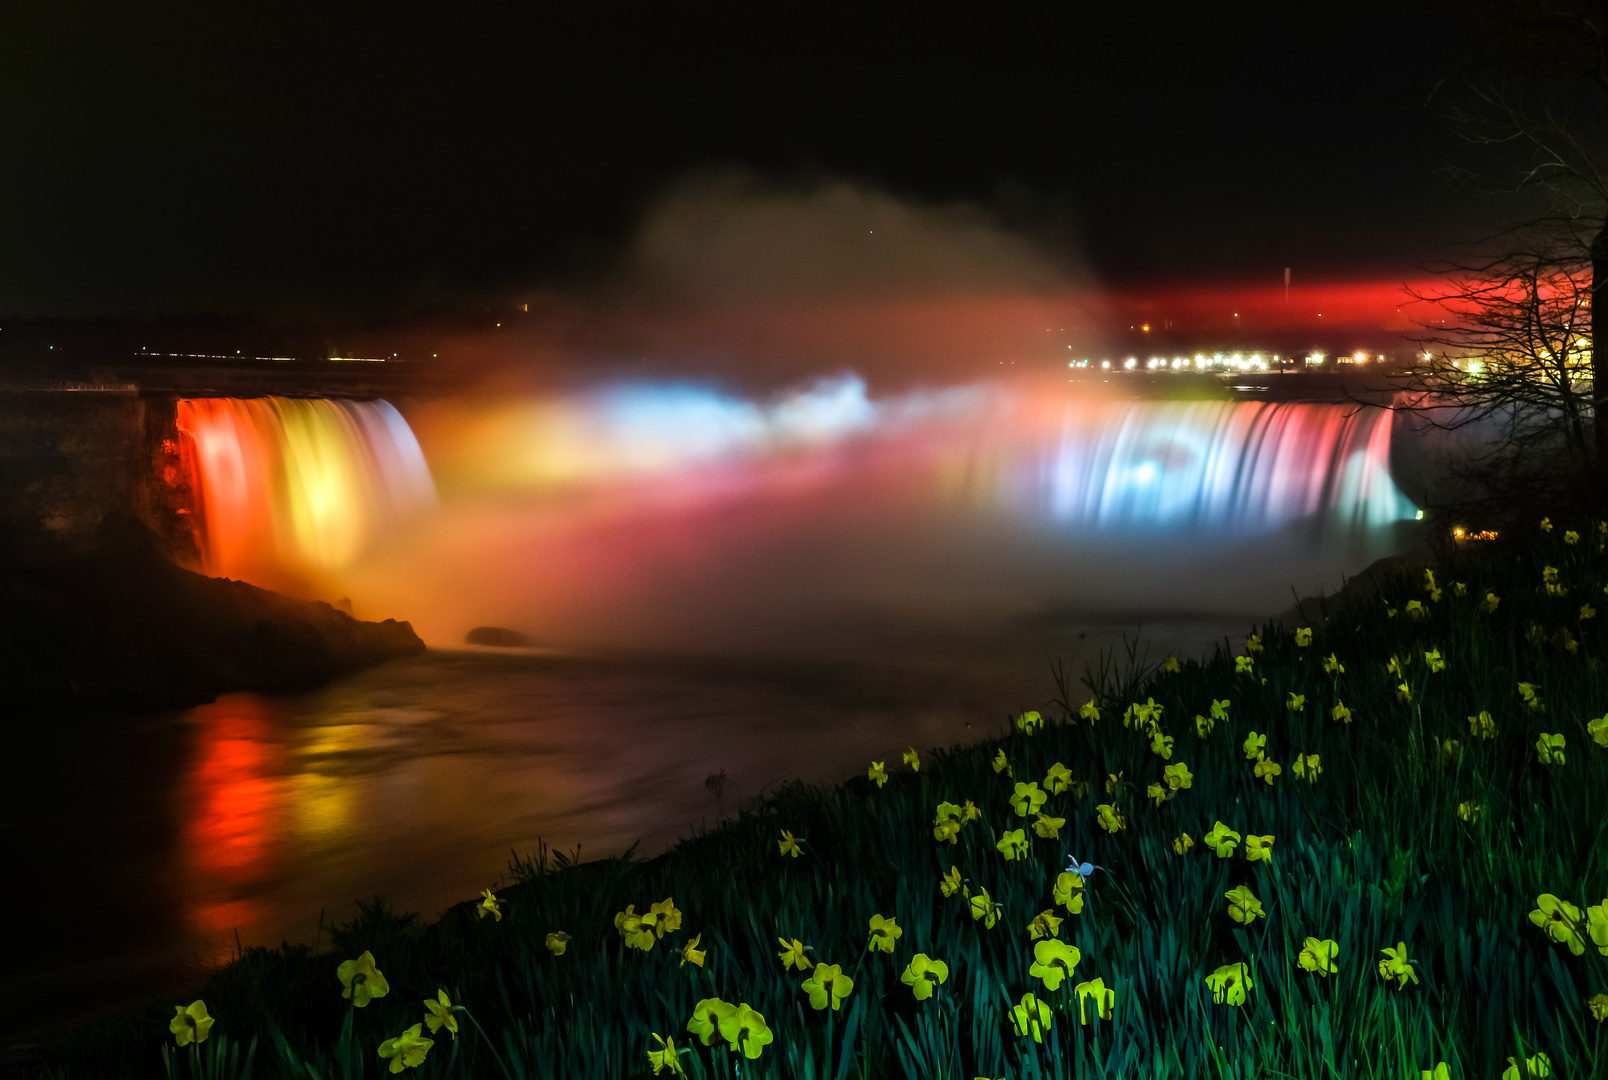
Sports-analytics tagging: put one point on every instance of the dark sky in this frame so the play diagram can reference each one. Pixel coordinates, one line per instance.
(161, 160)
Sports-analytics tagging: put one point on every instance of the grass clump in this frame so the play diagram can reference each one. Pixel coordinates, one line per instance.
(1368, 846)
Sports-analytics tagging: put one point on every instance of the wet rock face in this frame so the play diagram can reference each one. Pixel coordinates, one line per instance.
(498, 636)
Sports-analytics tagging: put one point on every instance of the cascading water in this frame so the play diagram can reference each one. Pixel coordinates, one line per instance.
(299, 486)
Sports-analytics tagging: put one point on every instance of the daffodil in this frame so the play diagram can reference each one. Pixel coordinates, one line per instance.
(637, 930)
(1303, 636)
(1253, 745)
(1598, 730)
(950, 882)
(947, 814)
(1112, 781)
(1587, 612)
(923, 975)
(1397, 667)
(877, 773)
(884, 932)
(666, 1057)
(1013, 844)
(1046, 924)
(983, 908)
(1158, 794)
(1441, 1071)
(1103, 997)
(362, 980)
(1434, 660)
(1333, 666)
(1488, 605)
(1429, 580)
(1027, 798)
(1482, 726)
(1561, 921)
(1546, 524)
(1266, 769)
(1183, 843)
(1203, 725)
(667, 919)
(557, 942)
(1030, 722)
(1469, 811)
(1340, 713)
(1049, 828)
(1068, 891)
(788, 846)
(745, 1030)
(1089, 711)
(1243, 665)
(912, 759)
(828, 986)
(1057, 779)
(947, 829)
(1002, 764)
(191, 1023)
(1032, 1016)
(1170, 665)
(1459, 589)
(1306, 767)
(1161, 745)
(1295, 702)
(488, 905)
(407, 1050)
(691, 954)
(1259, 848)
(1229, 984)
(969, 812)
(1222, 840)
(1599, 1007)
(1318, 956)
(1530, 694)
(1450, 751)
(1571, 537)
(1538, 1065)
(1396, 966)
(1549, 749)
(1243, 906)
(1109, 819)
(438, 1014)
(792, 954)
(1416, 610)
(706, 1020)
(1053, 961)
(1404, 693)
(1177, 776)
(1549, 575)
(1253, 644)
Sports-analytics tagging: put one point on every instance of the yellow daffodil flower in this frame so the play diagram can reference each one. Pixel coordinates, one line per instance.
(691, 954)
(969, 812)
(1429, 580)
(1243, 906)
(1177, 776)
(923, 975)
(946, 812)
(1090, 711)
(1229, 984)
(1027, 798)
(1303, 636)
(984, 908)
(1170, 665)
(1488, 605)
(828, 986)
(1046, 924)
(1057, 779)
(1598, 1006)
(1539, 1065)
(1183, 843)
(1112, 780)
(1549, 749)
(1049, 828)
(488, 905)
(1259, 848)
(1203, 725)
(1053, 961)
(1396, 667)
(1030, 722)
(1219, 709)
(1416, 610)
(1157, 794)
(667, 918)
(1318, 956)
(1266, 769)
(1222, 840)
(792, 954)
(1433, 659)
(1161, 745)
(666, 1057)
(1109, 819)
(1587, 612)
(1307, 767)
(1295, 702)
(1404, 693)
(1482, 726)
(707, 1017)
(1598, 730)
(1531, 696)
(1243, 665)
(1546, 524)
(1451, 750)
(950, 882)
(1103, 997)
(1333, 666)
(788, 846)
(1442, 1071)
(637, 930)
(1032, 1016)
(1340, 713)
(1253, 746)
(1013, 844)
(1068, 891)
(884, 932)
(190, 1023)
(1561, 921)
(1459, 589)
(1002, 764)
(877, 773)
(1549, 575)
(362, 980)
(407, 1050)
(1253, 644)
(438, 1014)
(1396, 966)
(745, 1030)
(1469, 811)
(1571, 537)
(912, 759)
(557, 942)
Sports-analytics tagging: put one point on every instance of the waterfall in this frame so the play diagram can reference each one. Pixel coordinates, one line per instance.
(304, 485)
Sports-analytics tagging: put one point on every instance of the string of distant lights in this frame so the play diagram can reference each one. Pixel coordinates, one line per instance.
(1218, 362)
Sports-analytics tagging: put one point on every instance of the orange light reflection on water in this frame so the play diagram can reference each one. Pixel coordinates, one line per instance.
(234, 812)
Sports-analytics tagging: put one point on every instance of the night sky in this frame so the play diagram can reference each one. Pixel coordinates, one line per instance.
(161, 160)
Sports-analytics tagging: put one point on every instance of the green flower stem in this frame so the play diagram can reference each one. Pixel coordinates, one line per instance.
(503, 1065)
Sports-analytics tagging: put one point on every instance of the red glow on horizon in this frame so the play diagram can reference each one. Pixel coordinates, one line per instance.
(1382, 305)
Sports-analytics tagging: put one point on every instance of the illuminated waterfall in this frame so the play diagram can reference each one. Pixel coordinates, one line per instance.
(298, 485)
